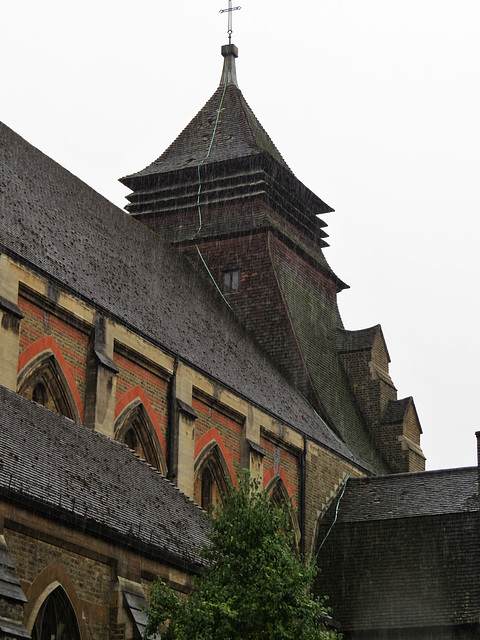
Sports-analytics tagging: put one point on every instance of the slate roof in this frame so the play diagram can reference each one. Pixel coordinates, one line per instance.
(70, 233)
(360, 340)
(404, 552)
(10, 586)
(315, 321)
(407, 495)
(138, 606)
(396, 410)
(93, 481)
(238, 134)
(10, 590)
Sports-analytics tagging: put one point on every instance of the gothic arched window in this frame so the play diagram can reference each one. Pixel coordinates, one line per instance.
(45, 383)
(56, 619)
(278, 494)
(136, 430)
(211, 484)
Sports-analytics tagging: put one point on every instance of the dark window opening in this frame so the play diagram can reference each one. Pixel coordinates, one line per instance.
(231, 281)
(39, 394)
(210, 483)
(131, 440)
(137, 431)
(207, 486)
(56, 619)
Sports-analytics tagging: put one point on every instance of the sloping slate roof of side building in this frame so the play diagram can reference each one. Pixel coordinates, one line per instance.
(403, 552)
(61, 467)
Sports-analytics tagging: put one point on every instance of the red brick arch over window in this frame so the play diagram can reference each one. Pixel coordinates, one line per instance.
(270, 478)
(134, 396)
(48, 345)
(207, 439)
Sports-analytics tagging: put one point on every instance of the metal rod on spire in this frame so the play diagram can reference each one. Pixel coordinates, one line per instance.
(229, 11)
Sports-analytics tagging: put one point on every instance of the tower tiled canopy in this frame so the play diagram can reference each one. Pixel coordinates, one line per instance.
(231, 158)
(223, 194)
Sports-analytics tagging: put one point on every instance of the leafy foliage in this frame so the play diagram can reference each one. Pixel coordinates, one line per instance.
(256, 588)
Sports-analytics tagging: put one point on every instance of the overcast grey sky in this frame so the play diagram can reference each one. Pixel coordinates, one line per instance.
(375, 107)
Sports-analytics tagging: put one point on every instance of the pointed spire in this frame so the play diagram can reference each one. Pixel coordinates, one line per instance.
(229, 73)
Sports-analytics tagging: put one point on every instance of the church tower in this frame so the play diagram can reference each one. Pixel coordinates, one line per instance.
(223, 195)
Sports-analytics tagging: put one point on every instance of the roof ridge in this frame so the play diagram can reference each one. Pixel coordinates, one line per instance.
(429, 472)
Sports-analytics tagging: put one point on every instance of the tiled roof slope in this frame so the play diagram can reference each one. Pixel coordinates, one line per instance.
(357, 340)
(315, 321)
(238, 134)
(396, 410)
(254, 179)
(10, 586)
(407, 495)
(71, 233)
(58, 463)
(225, 161)
(404, 552)
(11, 593)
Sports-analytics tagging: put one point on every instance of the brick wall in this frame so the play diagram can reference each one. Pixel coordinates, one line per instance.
(91, 579)
(375, 573)
(283, 462)
(372, 392)
(132, 372)
(41, 320)
(324, 474)
(258, 302)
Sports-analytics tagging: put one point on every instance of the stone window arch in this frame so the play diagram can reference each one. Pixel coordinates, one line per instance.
(278, 494)
(44, 380)
(212, 477)
(135, 428)
(56, 618)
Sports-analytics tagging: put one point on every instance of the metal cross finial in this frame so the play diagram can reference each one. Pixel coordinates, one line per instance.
(229, 11)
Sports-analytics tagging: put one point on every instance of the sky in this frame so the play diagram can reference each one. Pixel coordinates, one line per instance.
(375, 107)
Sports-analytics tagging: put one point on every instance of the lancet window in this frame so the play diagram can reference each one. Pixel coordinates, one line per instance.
(45, 383)
(56, 619)
(136, 430)
(211, 479)
(278, 494)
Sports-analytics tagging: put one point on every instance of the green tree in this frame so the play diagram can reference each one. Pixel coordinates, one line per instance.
(255, 587)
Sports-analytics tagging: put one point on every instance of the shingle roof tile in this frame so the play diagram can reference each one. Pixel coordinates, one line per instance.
(396, 410)
(63, 465)
(238, 134)
(356, 340)
(408, 495)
